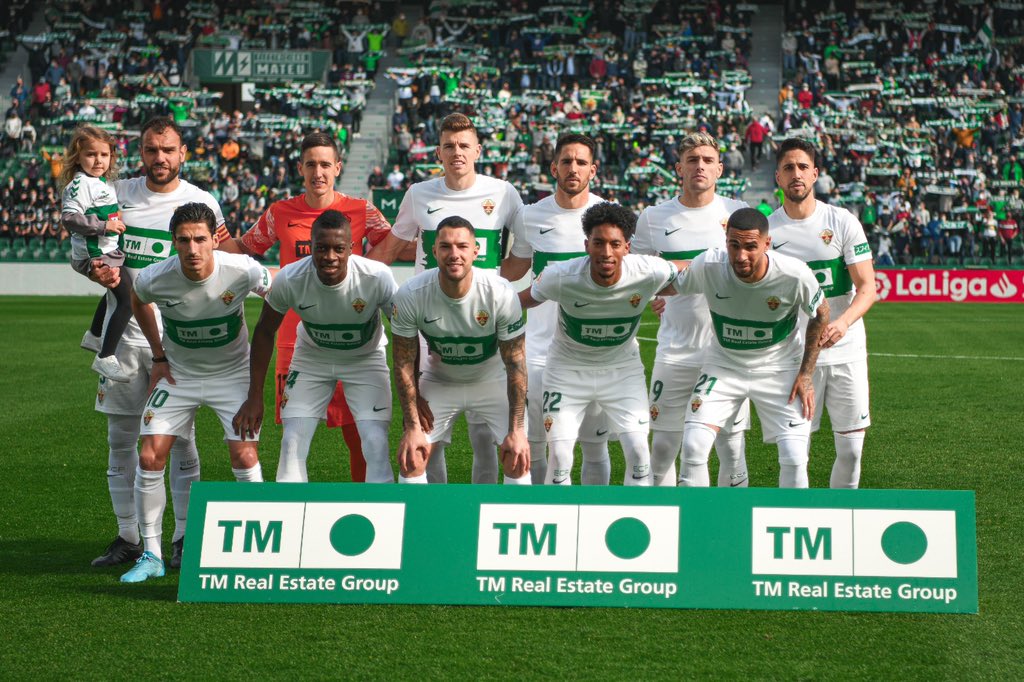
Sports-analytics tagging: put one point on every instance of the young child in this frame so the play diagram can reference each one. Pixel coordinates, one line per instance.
(89, 213)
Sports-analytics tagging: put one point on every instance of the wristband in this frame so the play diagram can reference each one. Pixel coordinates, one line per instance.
(162, 358)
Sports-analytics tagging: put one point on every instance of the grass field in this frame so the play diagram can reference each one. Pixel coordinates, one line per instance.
(946, 392)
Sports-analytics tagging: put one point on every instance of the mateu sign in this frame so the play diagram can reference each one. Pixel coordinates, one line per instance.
(855, 550)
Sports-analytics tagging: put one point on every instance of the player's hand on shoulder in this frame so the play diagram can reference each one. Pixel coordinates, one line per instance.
(249, 418)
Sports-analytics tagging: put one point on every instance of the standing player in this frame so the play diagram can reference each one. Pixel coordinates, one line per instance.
(680, 229)
(468, 316)
(339, 298)
(289, 222)
(204, 361)
(145, 206)
(548, 231)
(489, 205)
(755, 300)
(594, 357)
(832, 243)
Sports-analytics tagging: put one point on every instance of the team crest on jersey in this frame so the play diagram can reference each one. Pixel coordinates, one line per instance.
(284, 399)
(228, 296)
(100, 395)
(725, 223)
(696, 403)
(482, 317)
(394, 311)
(655, 412)
(634, 300)
(359, 305)
(826, 236)
(148, 417)
(488, 206)
(773, 302)
(548, 421)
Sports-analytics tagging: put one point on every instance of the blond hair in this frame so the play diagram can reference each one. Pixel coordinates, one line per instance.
(699, 139)
(85, 133)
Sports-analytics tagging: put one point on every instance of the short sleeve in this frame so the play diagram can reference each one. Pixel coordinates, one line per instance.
(809, 295)
(259, 277)
(377, 226)
(403, 313)
(388, 289)
(406, 226)
(855, 244)
(279, 297)
(141, 285)
(521, 247)
(510, 323)
(76, 197)
(664, 272)
(515, 204)
(547, 285)
(691, 280)
(261, 236)
(642, 243)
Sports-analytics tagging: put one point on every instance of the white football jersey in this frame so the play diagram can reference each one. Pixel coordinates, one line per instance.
(755, 325)
(340, 322)
(204, 322)
(489, 205)
(462, 334)
(675, 232)
(828, 241)
(94, 197)
(147, 237)
(547, 233)
(597, 325)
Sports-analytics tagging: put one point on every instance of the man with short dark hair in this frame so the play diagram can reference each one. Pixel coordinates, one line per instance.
(201, 358)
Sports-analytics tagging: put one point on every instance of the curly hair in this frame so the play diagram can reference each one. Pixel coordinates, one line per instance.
(83, 134)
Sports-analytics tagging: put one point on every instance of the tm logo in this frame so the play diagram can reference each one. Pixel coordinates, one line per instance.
(901, 543)
(230, 64)
(537, 537)
(302, 535)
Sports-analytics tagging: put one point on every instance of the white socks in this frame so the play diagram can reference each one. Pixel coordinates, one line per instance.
(253, 474)
(597, 465)
(538, 461)
(150, 500)
(732, 459)
(437, 467)
(122, 461)
(376, 451)
(697, 441)
(560, 457)
(793, 462)
(664, 452)
(846, 470)
(184, 472)
(638, 458)
(421, 479)
(295, 440)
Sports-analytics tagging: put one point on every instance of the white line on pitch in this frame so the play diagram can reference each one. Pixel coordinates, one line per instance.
(946, 357)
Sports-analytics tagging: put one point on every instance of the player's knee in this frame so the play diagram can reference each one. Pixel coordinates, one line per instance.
(243, 454)
(697, 441)
(123, 435)
(792, 451)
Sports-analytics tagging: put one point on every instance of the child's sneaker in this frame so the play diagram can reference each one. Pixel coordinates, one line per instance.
(110, 368)
(91, 342)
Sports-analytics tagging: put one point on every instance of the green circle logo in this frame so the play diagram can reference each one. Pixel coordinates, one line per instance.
(215, 332)
(619, 330)
(158, 247)
(904, 542)
(759, 334)
(820, 276)
(627, 538)
(347, 336)
(470, 350)
(352, 535)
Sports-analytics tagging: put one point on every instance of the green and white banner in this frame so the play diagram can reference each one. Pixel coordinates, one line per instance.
(834, 550)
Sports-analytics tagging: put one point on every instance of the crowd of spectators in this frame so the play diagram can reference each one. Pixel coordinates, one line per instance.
(113, 65)
(919, 118)
(632, 75)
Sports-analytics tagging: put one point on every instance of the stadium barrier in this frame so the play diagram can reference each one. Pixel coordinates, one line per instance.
(836, 550)
(956, 286)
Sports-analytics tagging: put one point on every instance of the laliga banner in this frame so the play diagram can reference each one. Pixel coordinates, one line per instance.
(838, 550)
(943, 286)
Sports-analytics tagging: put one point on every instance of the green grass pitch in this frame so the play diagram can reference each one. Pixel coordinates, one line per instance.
(946, 398)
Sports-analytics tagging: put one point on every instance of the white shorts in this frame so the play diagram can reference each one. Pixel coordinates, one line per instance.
(718, 395)
(671, 392)
(113, 397)
(843, 391)
(310, 386)
(568, 393)
(171, 408)
(488, 399)
(594, 429)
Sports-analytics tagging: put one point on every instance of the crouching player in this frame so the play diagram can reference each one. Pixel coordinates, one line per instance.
(468, 317)
(339, 298)
(755, 300)
(201, 360)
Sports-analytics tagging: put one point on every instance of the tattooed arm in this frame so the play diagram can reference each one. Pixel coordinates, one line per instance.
(515, 449)
(413, 450)
(804, 385)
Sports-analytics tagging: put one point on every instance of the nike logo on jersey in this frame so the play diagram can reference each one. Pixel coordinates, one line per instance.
(306, 307)
(642, 421)
(577, 304)
(601, 432)
(426, 321)
(669, 232)
(379, 409)
(431, 211)
(126, 207)
(171, 304)
(779, 245)
(545, 231)
(721, 297)
(863, 416)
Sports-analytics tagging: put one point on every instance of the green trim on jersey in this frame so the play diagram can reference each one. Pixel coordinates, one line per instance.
(542, 258)
(145, 246)
(92, 244)
(736, 334)
(213, 332)
(463, 350)
(489, 257)
(342, 336)
(832, 275)
(681, 255)
(599, 332)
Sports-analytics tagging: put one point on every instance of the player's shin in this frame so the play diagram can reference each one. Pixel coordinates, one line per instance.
(793, 462)
(697, 441)
(596, 468)
(374, 434)
(297, 434)
(638, 458)
(122, 461)
(538, 461)
(437, 467)
(560, 456)
(485, 464)
(846, 470)
(484, 449)
(665, 447)
(150, 501)
(184, 472)
(730, 446)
